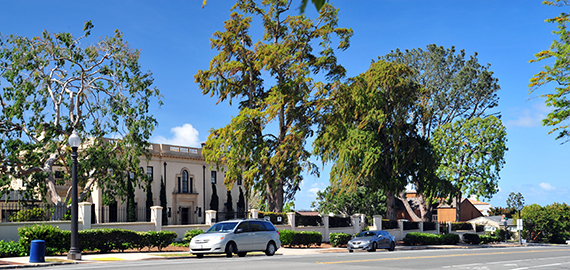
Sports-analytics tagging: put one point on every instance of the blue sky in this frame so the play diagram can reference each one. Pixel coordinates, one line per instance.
(173, 37)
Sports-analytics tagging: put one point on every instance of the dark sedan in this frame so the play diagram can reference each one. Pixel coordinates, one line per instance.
(372, 240)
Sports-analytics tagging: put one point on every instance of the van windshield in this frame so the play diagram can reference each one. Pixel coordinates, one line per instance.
(222, 227)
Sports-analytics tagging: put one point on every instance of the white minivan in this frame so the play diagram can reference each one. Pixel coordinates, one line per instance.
(237, 237)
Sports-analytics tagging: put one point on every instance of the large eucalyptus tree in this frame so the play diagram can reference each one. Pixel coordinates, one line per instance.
(55, 83)
(273, 79)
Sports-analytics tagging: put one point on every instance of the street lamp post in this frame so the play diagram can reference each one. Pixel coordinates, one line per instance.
(74, 253)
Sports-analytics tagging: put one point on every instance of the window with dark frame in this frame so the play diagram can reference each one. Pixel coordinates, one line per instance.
(184, 181)
(150, 172)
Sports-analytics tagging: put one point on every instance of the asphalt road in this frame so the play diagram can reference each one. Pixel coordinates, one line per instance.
(557, 257)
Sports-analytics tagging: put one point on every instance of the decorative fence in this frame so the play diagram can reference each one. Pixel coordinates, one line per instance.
(34, 212)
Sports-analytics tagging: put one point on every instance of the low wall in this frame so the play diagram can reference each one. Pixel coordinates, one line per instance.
(9, 230)
(182, 229)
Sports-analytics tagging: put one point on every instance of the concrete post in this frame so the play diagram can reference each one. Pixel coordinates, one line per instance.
(210, 217)
(437, 227)
(362, 221)
(85, 215)
(254, 213)
(156, 217)
(421, 226)
(291, 220)
(401, 226)
(356, 223)
(377, 221)
(325, 219)
(449, 227)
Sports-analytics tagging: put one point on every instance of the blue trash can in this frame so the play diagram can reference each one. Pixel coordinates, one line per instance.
(38, 251)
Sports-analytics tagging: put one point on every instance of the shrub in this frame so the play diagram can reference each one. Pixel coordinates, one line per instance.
(464, 226)
(416, 238)
(273, 217)
(411, 225)
(188, 235)
(479, 228)
(389, 224)
(486, 239)
(12, 249)
(430, 226)
(449, 239)
(158, 239)
(301, 220)
(337, 222)
(34, 214)
(302, 238)
(105, 240)
(471, 238)
(57, 240)
(339, 239)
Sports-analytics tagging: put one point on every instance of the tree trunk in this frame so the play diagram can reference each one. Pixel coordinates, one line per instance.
(59, 211)
(275, 196)
(408, 207)
(390, 205)
(458, 207)
(425, 208)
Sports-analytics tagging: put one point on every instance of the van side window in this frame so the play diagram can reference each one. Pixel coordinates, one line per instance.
(269, 226)
(245, 226)
(257, 226)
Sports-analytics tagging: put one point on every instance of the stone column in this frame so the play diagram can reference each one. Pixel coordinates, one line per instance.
(401, 226)
(437, 227)
(377, 221)
(85, 215)
(449, 227)
(356, 223)
(421, 226)
(325, 219)
(291, 220)
(254, 213)
(156, 217)
(210, 217)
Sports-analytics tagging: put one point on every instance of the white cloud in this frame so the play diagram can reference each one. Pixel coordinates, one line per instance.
(528, 117)
(547, 186)
(186, 135)
(314, 189)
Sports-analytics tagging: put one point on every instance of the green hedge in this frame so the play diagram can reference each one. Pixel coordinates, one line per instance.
(339, 239)
(471, 238)
(456, 226)
(416, 238)
(303, 238)
(273, 217)
(486, 239)
(12, 249)
(101, 240)
(188, 235)
(57, 240)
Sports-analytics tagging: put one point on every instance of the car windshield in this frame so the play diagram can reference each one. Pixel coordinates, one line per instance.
(366, 234)
(222, 227)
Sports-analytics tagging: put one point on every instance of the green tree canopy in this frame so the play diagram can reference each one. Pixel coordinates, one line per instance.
(56, 83)
(557, 73)
(515, 200)
(454, 87)
(362, 201)
(273, 80)
(472, 154)
(367, 130)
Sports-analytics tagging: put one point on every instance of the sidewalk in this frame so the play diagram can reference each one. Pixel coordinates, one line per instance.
(21, 262)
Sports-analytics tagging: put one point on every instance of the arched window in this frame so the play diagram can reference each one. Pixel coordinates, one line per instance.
(184, 181)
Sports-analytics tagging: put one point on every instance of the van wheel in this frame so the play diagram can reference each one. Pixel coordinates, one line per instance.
(270, 250)
(230, 249)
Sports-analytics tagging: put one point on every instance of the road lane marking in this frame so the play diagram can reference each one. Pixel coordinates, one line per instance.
(443, 256)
